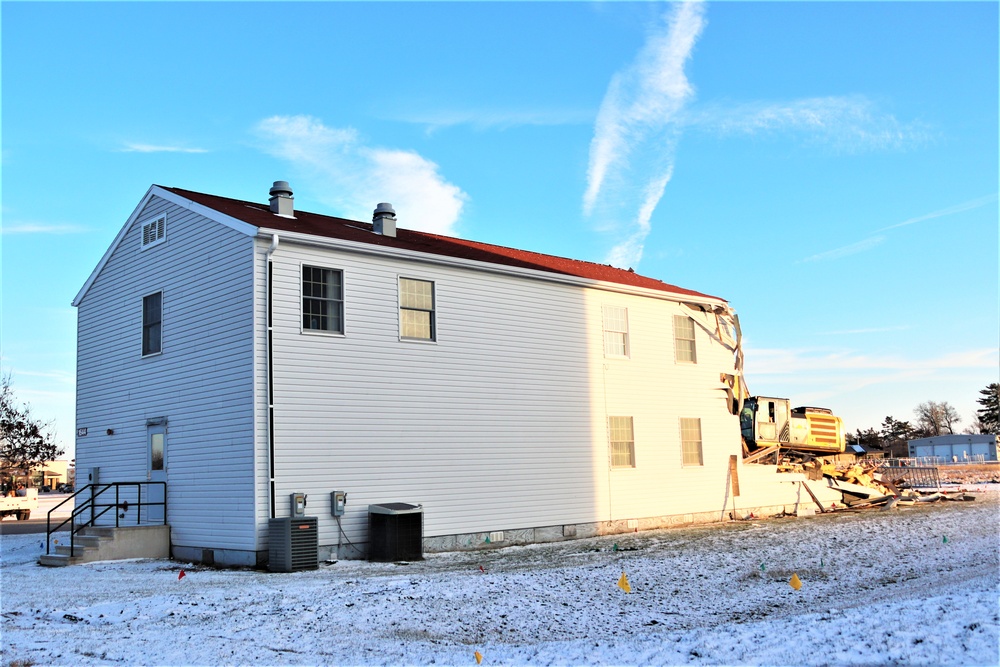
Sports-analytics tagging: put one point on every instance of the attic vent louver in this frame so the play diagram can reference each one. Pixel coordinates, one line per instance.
(282, 201)
(154, 231)
(384, 220)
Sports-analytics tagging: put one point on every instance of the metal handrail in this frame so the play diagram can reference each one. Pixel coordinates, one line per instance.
(92, 505)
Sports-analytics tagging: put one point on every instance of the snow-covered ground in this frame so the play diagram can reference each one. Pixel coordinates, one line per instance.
(917, 585)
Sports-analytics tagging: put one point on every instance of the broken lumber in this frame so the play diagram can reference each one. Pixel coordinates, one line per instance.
(813, 496)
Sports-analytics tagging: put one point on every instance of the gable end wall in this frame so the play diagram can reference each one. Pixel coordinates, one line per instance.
(202, 382)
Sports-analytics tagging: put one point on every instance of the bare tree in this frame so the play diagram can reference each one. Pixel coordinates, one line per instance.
(25, 442)
(935, 418)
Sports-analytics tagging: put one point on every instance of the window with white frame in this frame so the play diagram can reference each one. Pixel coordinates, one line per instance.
(416, 309)
(684, 339)
(152, 318)
(691, 441)
(622, 442)
(322, 299)
(154, 231)
(615, 331)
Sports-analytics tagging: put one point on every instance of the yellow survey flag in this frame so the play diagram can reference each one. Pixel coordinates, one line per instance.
(795, 582)
(623, 583)
(479, 657)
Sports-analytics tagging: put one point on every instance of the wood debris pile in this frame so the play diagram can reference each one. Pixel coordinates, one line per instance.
(871, 486)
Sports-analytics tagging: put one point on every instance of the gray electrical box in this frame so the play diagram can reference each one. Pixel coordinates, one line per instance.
(293, 544)
(95, 476)
(298, 505)
(338, 502)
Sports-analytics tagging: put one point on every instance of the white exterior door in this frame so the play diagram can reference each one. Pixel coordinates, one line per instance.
(156, 438)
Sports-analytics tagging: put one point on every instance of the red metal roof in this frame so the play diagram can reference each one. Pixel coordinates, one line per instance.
(259, 215)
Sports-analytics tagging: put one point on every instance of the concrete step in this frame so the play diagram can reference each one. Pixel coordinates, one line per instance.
(110, 543)
(75, 550)
(57, 560)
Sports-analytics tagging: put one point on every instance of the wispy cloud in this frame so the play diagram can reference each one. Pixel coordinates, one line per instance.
(793, 362)
(839, 378)
(635, 134)
(61, 376)
(870, 243)
(863, 387)
(41, 228)
(353, 177)
(870, 330)
(152, 148)
(486, 119)
(848, 124)
(852, 249)
(951, 210)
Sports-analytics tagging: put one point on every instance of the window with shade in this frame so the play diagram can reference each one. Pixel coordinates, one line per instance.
(684, 340)
(691, 454)
(416, 309)
(622, 442)
(615, 331)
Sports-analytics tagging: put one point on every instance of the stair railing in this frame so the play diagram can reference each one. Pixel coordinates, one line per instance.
(98, 509)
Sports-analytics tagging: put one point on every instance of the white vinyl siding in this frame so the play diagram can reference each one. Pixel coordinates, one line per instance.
(684, 341)
(691, 442)
(491, 428)
(622, 442)
(322, 299)
(203, 387)
(615, 331)
(416, 309)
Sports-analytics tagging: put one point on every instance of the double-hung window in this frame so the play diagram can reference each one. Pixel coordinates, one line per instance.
(152, 317)
(416, 309)
(622, 442)
(684, 339)
(322, 300)
(615, 331)
(691, 454)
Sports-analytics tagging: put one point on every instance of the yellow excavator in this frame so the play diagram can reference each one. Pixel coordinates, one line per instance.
(767, 422)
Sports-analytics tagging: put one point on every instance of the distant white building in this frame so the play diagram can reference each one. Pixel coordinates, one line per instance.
(242, 352)
(956, 448)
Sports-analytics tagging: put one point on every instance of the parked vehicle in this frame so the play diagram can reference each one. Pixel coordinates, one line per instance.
(19, 507)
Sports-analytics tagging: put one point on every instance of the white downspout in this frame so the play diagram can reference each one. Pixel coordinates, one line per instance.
(269, 375)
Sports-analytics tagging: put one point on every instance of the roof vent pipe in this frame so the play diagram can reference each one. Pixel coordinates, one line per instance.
(384, 220)
(282, 201)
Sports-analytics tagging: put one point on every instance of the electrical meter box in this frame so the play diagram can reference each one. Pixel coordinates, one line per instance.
(298, 505)
(338, 501)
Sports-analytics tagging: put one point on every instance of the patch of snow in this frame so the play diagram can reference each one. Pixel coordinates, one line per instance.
(879, 587)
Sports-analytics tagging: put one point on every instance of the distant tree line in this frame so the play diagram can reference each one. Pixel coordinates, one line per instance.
(932, 418)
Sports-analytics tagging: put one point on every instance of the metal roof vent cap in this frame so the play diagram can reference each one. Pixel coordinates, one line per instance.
(384, 220)
(282, 201)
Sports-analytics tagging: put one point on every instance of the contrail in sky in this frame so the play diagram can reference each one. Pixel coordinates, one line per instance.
(635, 134)
(951, 210)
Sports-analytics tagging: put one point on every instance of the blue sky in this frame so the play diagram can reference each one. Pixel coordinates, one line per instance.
(831, 169)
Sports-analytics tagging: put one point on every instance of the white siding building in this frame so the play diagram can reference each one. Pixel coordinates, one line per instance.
(242, 352)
